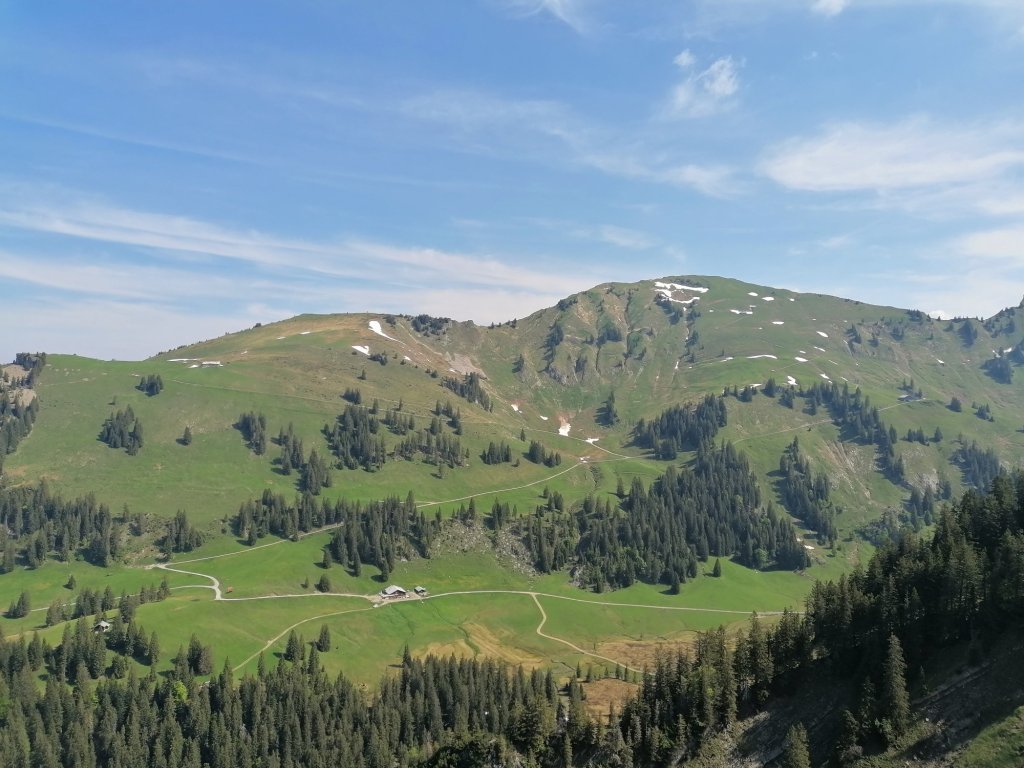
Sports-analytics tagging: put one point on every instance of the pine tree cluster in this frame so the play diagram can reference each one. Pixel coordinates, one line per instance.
(253, 427)
(469, 388)
(806, 494)
(16, 419)
(181, 535)
(123, 430)
(152, 384)
(681, 428)
(35, 524)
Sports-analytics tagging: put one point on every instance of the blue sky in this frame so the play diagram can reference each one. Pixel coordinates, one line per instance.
(173, 171)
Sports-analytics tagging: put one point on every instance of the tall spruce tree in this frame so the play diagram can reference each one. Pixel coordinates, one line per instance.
(895, 700)
(796, 754)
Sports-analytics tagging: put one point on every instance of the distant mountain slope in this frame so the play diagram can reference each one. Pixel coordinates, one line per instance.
(548, 377)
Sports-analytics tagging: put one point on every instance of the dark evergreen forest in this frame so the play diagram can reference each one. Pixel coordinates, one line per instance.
(962, 586)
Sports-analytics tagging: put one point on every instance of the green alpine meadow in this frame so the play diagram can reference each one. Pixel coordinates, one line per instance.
(650, 525)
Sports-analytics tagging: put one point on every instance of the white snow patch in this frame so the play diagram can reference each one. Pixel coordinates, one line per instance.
(751, 293)
(822, 334)
(667, 295)
(711, 310)
(778, 322)
(792, 299)
(678, 287)
(759, 357)
(825, 376)
(281, 337)
(819, 349)
(1008, 350)
(543, 418)
(406, 357)
(194, 365)
(808, 546)
(677, 366)
(182, 359)
(726, 359)
(791, 381)
(768, 298)
(515, 407)
(940, 362)
(844, 378)
(735, 311)
(245, 351)
(800, 359)
(564, 429)
(304, 333)
(212, 364)
(364, 349)
(375, 327)
(591, 440)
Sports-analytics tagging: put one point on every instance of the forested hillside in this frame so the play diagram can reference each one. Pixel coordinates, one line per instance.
(484, 531)
(874, 632)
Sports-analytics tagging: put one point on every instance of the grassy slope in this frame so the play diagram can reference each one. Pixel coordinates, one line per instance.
(298, 379)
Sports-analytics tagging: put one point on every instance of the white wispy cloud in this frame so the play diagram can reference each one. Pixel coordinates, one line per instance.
(1004, 244)
(140, 283)
(713, 181)
(569, 12)
(685, 59)
(1008, 203)
(829, 7)
(836, 242)
(703, 92)
(348, 257)
(911, 154)
(623, 237)
(549, 131)
(611, 234)
(709, 18)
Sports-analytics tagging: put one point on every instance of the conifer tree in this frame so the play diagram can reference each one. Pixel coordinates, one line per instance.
(796, 754)
(324, 641)
(55, 613)
(895, 700)
(293, 650)
(847, 745)
(154, 649)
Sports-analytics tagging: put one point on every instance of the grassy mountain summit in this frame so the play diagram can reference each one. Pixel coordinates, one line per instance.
(549, 377)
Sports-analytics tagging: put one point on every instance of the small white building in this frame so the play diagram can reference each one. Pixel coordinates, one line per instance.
(392, 591)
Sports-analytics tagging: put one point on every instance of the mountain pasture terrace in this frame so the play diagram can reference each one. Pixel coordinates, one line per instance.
(577, 378)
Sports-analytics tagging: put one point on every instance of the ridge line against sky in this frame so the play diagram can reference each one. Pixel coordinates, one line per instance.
(176, 171)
